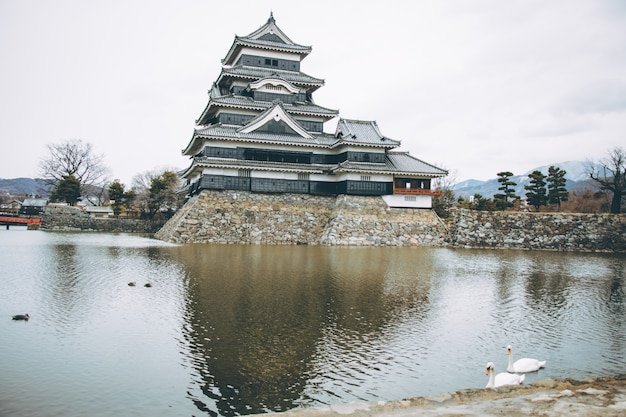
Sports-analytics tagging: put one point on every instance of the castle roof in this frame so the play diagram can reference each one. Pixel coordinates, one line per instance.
(255, 73)
(396, 163)
(242, 102)
(349, 132)
(362, 132)
(268, 37)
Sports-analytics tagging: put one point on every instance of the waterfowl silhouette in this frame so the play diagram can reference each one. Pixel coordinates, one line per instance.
(21, 317)
(148, 285)
(131, 284)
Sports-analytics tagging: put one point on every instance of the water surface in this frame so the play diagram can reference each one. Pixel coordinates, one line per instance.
(233, 329)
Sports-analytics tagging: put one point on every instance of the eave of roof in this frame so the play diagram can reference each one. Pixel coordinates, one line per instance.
(247, 103)
(230, 133)
(247, 72)
(260, 165)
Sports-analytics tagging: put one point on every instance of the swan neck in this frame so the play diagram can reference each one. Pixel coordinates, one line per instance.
(510, 368)
(492, 379)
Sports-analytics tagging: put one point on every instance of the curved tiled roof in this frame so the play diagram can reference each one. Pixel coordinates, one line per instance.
(269, 37)
(271, 45)
(256, 73)
(403, 162)
(243, 102)
(396, 163)
(229, 132)
(260, 165)
(362, 132)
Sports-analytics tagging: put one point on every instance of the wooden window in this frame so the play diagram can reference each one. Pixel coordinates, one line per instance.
(366, 178)
(244, 172)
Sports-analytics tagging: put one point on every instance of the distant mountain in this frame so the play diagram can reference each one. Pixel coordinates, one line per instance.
(27, 186)
(575, 174)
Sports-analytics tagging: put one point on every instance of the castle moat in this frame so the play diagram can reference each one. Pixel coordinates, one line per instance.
(243, 329)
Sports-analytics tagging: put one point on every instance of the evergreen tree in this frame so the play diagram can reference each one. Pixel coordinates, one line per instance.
(163, 193)
(505, 200)
(67, 190)
(120, 197)
(536, 195)
(556, 186)
(483, 204)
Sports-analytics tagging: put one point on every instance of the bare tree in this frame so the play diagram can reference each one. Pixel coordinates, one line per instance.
(76, 158)
(611, 176)
(445, 201)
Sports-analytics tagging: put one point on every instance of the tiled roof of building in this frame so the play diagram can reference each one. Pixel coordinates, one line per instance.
(256, 73)
(260, 165)
(362, 132)
(396, 163)
(294, 108)
(35, 202)
(414, 167)
(229, 132)
(272, 45)
(403, 162)
(269, 37)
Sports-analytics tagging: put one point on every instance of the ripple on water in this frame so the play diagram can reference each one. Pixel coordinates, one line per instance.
(237, 330)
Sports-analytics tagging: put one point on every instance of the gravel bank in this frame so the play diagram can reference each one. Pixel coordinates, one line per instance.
(590, 397)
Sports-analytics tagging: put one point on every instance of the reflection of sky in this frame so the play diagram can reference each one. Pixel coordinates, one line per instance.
(238, 329)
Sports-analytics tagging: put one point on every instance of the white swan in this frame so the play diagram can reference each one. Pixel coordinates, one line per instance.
(523, 365)
(503, 378)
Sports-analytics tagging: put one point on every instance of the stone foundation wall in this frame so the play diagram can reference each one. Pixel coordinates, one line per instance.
(249, 218)
(538, 231)
(66, 218)
(292, 219)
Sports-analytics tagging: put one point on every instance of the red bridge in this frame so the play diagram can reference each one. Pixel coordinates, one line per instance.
(20, 221)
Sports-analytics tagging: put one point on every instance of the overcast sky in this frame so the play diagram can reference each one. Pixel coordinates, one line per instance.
(473, 86)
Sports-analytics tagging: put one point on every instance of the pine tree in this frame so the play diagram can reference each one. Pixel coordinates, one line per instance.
(119, 197)
(556, 186)
(67, 190)
(504, 201)
(536, 195)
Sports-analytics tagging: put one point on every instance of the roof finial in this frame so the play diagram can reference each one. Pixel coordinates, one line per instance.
(271, 19)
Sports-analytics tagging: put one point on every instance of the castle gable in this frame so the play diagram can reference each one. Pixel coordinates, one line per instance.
(275, 120)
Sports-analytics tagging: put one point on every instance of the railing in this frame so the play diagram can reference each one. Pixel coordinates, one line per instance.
(20, 220)
(417, 191)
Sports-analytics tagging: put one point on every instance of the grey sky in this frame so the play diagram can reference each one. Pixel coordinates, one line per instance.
(476, 86)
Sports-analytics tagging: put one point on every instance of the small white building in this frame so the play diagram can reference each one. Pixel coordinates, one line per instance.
(99, 211)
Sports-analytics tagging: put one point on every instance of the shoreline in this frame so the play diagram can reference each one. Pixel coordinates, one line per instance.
(600, 396)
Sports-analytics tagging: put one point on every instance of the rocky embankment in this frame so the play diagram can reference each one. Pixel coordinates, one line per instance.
(301, 219)
(596, 397)
(578, 232)
(291, 219)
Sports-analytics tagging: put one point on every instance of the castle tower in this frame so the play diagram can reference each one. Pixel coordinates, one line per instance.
(261, 131)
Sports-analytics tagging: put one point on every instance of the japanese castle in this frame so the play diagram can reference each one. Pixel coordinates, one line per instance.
(262, 132)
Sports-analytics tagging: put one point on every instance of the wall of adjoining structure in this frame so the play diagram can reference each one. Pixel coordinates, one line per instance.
(538, 231)
(67, 218)
(249, 218)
